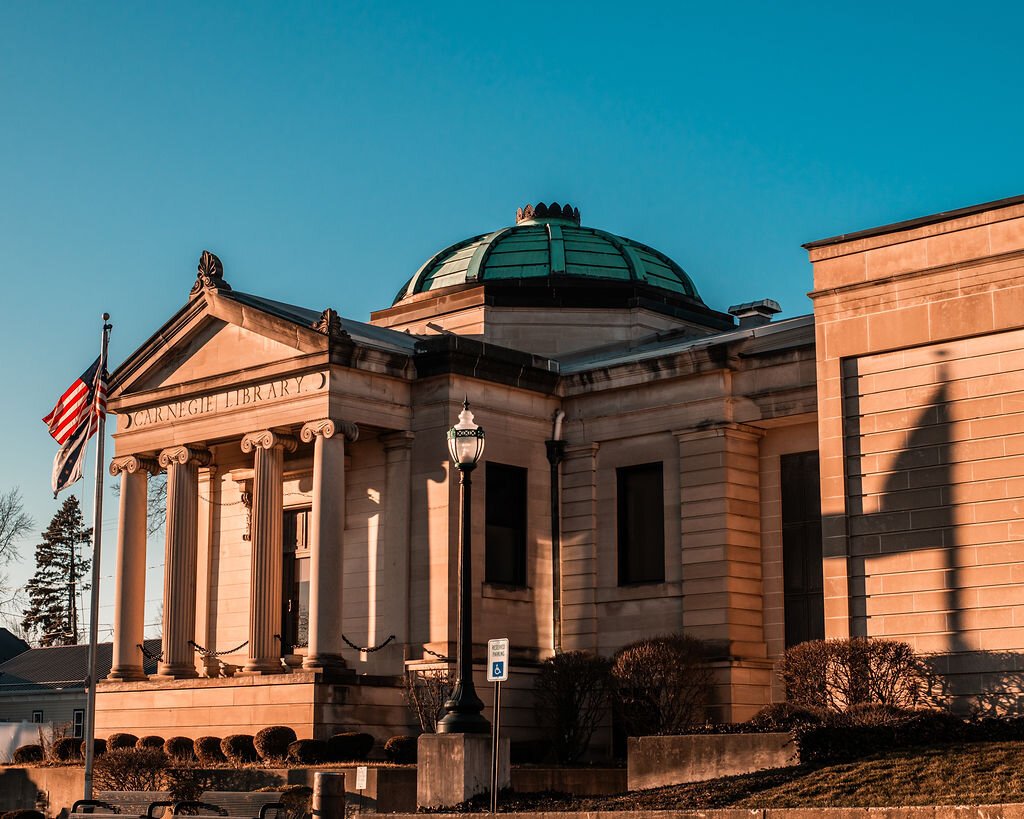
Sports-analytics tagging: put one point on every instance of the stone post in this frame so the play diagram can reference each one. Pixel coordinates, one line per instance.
(179, 624)
(326, 540)
(267, 555)
(130, 572)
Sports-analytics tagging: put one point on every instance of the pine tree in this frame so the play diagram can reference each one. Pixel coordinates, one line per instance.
(53, 589)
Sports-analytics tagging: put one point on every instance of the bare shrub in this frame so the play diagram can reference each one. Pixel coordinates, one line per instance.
(572, 694)
(426, 692)
(661, 685)
(137, 769)
(836, 675)
(272, 743)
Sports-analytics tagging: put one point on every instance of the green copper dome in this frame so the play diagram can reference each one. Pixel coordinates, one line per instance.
(548, 243)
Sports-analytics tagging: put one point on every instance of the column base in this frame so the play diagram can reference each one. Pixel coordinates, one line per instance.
(453, 768)
(324, 662)
(265, 665)
(175, 672)
(127, 673)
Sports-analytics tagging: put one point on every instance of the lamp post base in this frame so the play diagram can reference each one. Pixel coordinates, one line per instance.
(453, 768)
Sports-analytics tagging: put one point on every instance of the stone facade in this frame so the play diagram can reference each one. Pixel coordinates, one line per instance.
(302, 448)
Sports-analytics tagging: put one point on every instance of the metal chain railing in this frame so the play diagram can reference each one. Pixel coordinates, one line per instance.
(205, 652)
(441, 657)
(149, 655)
(368, 649)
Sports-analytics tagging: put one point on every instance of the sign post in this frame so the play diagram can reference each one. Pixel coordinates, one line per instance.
(497, 673)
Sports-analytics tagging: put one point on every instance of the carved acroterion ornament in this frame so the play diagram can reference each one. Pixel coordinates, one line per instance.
(329, 324)
(210, 275)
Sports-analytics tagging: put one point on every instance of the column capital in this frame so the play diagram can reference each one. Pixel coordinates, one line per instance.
(132, 464)
(182, 455)
(268, 439)
(400, 439)
(329, 427)
(720, 430)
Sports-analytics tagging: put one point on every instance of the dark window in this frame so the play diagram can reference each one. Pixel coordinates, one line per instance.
(295, 577)
(801, 548)
(641, 506)
(78, 724)
(505, 559)
(37, 716)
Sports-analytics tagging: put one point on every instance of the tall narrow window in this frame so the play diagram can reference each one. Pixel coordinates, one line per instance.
(37, 716)
(78, 723)
(801, 548)
(505, 559)
(641, 512)
(295, 576)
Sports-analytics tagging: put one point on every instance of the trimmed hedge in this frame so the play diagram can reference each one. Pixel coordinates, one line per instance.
(350, 745)
(28, 754)
(99, 747)
(401, 750)
(22, 814)
(272, 743)
(180, 749)
(844, 737)
(150, 741)
(207, 750)
(309, 751)
(239, 748)
(121, 742)
(67, 749)
(782, 716)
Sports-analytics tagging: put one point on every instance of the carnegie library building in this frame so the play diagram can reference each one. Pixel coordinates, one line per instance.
(653, 464)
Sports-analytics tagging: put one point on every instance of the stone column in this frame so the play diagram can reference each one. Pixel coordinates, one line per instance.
(267, 553)
(130, 573)
(205, 633)
(326, 540)
(182, 529)
(395, 518)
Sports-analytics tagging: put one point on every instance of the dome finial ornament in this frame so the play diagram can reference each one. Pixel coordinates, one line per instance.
(529, 213)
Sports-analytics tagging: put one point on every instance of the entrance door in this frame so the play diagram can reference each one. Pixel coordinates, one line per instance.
(295, 575)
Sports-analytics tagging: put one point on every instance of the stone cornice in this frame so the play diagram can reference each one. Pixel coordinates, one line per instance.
(268, 439)
(182, 455)
(134, 463)
(328, 427)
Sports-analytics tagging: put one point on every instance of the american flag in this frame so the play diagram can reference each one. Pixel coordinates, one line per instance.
(74, 420)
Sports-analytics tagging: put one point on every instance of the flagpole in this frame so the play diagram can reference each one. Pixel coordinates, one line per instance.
(94, 611)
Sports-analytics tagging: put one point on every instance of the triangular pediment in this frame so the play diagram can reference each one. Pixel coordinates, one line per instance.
(216, 348)
(213, 337)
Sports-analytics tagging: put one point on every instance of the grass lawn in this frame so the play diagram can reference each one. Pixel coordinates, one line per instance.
(977, 773)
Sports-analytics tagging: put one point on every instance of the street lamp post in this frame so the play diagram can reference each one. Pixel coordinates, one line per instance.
(466, 446)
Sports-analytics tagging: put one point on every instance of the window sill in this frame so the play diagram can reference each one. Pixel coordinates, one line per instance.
(639, 591)
(495, 591)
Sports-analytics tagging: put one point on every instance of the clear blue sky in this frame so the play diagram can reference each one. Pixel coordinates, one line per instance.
(323, 151)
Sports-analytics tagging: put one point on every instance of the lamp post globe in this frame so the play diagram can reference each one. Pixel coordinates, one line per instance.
(463, 710)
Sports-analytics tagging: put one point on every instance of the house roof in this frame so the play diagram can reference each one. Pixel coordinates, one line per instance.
(61, 667)
(10, 645)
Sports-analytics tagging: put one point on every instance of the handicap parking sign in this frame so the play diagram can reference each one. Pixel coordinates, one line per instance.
(497, 660)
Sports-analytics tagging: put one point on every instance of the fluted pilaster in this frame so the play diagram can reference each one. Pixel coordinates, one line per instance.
(130, 571)
(267, 554)
(393, 546)
(326, 540)
(182, 528)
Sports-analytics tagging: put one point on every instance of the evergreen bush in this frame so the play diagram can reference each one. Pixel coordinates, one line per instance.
(120, 741)
(350, 745)
(239, 748)
(208, 750)
(28, 755)
(401, 750)
(272, 743)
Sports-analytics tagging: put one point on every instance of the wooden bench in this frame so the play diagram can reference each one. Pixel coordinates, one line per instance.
(238, 805)
(140, 804)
